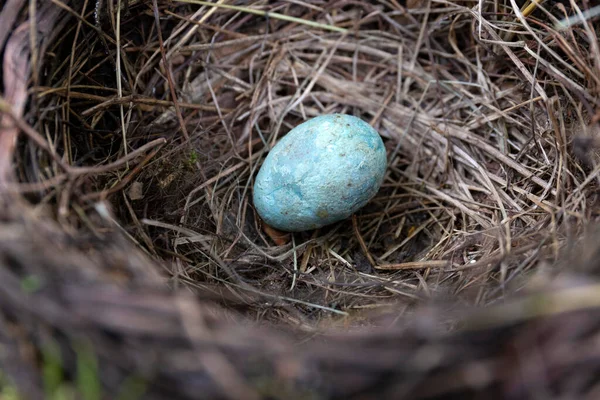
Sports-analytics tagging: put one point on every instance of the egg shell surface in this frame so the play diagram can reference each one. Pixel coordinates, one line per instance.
(321, 172)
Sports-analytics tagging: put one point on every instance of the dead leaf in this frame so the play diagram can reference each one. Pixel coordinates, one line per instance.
(280, 238)
(415, 4)
(135, 191)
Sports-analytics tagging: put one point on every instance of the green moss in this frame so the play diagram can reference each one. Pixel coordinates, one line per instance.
(192, 160)
(8, 391)
(31, 283)
(88, 381)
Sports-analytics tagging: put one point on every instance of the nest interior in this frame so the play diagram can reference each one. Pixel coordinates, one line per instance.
(130, 136)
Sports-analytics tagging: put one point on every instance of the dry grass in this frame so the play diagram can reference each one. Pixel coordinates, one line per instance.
(148, 121)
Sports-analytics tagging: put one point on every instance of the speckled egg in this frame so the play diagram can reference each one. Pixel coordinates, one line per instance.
(321, 172)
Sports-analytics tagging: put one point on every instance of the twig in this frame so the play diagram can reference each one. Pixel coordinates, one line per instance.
(361, 241)
(268, 14)
(414, 265)
(168, 71)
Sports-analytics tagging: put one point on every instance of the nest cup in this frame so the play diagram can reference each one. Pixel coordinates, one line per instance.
(133, 263)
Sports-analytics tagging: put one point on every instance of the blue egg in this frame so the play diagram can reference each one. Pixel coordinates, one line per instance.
(321, 172)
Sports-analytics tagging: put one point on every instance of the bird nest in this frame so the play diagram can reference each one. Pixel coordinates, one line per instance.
(133, 264)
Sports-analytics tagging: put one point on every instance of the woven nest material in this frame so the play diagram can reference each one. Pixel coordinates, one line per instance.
(133, 265)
